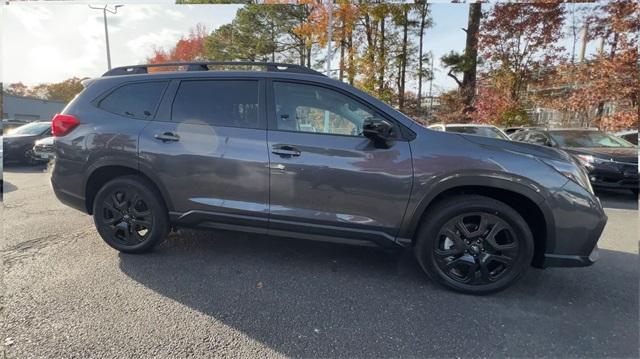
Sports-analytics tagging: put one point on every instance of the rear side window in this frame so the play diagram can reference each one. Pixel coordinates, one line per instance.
(231, 103)
(135, 100)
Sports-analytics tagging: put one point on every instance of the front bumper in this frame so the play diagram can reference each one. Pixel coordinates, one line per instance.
(614, 175)
(560, 260)
(579, 223)
(42, 154)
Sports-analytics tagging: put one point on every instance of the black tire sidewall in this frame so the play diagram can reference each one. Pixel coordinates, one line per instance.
(447, 209)
(158, 211)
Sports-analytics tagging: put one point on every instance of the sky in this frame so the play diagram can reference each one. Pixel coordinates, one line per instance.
(55, 41)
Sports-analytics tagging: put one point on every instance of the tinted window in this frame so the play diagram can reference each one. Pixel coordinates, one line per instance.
(136, 100)
(218, 103)
(538, 138)
(518, 136)
(632, 138)
(308, 108)
(587, 139)
(479, 131)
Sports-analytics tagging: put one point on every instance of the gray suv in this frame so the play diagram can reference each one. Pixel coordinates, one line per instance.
(289, 152)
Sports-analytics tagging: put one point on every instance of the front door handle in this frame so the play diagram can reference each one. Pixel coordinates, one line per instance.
(167, 136)
(285, 151)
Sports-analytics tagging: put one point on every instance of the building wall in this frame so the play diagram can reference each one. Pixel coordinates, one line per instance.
(29, 109)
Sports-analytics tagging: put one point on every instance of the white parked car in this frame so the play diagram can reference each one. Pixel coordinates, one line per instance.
(472, 129)
(43, 149)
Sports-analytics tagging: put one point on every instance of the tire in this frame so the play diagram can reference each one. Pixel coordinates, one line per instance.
(130, 215)
(458, 248)
(28, 157)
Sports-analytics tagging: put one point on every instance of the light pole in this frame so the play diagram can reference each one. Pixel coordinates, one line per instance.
(106, 9)
(329, 39)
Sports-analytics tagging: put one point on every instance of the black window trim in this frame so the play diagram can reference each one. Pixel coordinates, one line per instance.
(272, 125)
(261, 125)
(100, 98)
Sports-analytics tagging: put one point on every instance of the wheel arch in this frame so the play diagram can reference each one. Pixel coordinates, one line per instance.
(527, 200)
(107, 171)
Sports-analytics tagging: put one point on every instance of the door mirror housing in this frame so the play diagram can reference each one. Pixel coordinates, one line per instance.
(379, 131)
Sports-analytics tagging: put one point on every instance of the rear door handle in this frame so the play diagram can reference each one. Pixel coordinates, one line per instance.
(167, 136)
(285, 151)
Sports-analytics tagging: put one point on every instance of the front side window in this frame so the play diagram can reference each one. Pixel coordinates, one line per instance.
(232, 103)
(308, 108)
(135, 100)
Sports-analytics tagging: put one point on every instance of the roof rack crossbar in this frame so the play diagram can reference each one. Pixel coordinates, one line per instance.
(204, 66)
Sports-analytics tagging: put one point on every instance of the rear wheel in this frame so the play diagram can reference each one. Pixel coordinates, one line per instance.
(129, 215)
(474, 244)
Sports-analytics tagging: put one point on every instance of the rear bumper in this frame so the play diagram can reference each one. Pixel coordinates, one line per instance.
(68, 198)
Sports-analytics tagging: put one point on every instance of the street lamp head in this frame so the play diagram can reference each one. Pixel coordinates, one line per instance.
(117, 6)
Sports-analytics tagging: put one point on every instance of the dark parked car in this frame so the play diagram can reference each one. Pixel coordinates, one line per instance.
(610, 161)
(511, 130)
(18, 143)
(290, 152)
(629, 136)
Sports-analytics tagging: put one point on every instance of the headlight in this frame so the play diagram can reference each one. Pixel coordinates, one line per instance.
(572, 171)
(588, 161)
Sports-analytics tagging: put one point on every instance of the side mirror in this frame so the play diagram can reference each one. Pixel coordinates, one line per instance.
(379, 131)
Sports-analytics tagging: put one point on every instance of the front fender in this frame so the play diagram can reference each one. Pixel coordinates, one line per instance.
(426, 191)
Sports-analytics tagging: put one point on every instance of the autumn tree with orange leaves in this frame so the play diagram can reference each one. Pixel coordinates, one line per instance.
(188, 48)
(608, 79)
(517, 41)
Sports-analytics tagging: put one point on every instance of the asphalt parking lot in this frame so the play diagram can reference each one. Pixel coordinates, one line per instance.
(66, 294)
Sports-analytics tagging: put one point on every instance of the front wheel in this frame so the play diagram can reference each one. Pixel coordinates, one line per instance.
(474, 244)
(27, 157)
(129, 215)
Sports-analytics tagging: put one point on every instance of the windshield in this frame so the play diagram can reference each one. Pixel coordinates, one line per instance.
(33, 128)
(479, 131)
(587, 139)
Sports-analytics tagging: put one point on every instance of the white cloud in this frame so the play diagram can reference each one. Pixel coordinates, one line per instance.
(143, 46)
(32, 19)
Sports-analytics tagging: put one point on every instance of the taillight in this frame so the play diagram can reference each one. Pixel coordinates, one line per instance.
(63, 124)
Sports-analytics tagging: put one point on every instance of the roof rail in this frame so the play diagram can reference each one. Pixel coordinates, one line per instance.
(204, 66)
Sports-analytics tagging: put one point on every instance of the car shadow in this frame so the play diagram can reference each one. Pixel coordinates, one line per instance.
(13, 167)
(312, 299)
(8, 187)
(618, 199)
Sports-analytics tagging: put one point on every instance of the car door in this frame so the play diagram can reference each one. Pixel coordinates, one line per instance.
(208, 151)
(327, 179)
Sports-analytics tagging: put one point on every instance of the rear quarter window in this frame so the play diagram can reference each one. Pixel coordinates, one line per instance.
(135, 100)
(227, 103)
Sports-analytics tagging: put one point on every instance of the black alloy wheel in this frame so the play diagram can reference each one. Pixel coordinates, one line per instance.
(129, 215)
(474, 244)
(476, 248)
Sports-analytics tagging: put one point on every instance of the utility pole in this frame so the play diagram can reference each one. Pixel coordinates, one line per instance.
(329, 35)
(328, 60)
(431, 89)
(585, 39)
(105, 9)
